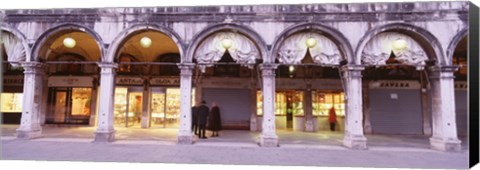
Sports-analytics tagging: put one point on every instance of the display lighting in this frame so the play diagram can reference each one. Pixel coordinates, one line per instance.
(145, 42)
(69, 42)
(399, 44)
(227, 43)
(311, 42)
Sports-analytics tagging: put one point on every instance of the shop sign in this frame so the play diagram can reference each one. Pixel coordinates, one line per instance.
(226, 82)
(165, 81)
(395, 85)
(13, 81)
(289, 84)
(70, 81)
(129, 80)
(327, 84)
(461, 85)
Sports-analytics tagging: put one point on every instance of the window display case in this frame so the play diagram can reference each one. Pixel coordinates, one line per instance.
(120, 105)
(11, 102)
(297, 103)
(81, 98)
(323, 101)
(280, 104)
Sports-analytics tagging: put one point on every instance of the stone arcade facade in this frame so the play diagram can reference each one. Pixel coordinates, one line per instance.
(350, 37)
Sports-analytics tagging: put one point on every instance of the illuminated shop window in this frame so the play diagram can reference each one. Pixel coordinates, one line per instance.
(259, 103)
(322, 102)
(120, 105)
(11, 102)
(297, 103)
(281, 103)
(81, 101)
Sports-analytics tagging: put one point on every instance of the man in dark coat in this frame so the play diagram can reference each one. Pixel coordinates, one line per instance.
(194, 120)
(202, 115)
(332, 118)
(214, 120)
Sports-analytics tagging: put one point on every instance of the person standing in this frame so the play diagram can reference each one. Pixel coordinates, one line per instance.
(332, 118)
(202, 115)
(214, 122)
(194, 120)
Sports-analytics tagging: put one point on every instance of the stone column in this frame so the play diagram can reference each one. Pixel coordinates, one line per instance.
(367, 125)
(185, 131)
(44, 99)
(253, 107)
(105, 131)
(32, 100)
(427, 126)
(145, 122)
(444, 136)
(268, 138)
(198, 91)
(354, 137)
(307, 107)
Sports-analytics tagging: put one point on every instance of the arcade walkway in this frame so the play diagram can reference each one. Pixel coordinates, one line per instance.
(323, 139)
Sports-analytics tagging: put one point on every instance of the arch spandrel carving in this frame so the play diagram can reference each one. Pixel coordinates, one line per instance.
(294, 49)
(14, 48)
(378, 50)
(242, 50)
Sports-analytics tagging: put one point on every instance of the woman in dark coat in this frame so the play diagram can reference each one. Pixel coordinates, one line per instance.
(214, 121)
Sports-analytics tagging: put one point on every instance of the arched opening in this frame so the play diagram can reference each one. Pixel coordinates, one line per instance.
(12, 52)
(70, 92)
(147, 93)
(308, 83)
(395, 91)
(459, 59)
(226, 74)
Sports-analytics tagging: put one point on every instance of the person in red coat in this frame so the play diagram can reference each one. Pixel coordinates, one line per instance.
(332, 118)
(215, 123)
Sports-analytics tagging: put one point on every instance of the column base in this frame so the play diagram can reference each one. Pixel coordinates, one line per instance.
(29, 134)
(145, 123)
(355, 142)
(448, 145)
(104, 137)
(310, 126)
(268, 141)
(185, 139)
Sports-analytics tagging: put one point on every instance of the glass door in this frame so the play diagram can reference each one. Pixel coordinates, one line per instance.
(60, 107)
(134, 108)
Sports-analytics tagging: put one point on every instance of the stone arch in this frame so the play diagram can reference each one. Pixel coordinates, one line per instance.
(332, 34)
(17, 33)
(454, 42)
(42, 39)
(123, 37)
(243, 30)
(422, 36)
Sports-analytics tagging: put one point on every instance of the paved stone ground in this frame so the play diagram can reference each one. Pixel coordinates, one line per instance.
(232, 147)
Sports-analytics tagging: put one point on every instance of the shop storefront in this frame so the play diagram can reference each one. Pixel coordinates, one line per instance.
(141, 103)
(233, 96)
(292, 104)
(395, 107)
(11, 98)
(70, 100)
(165, 102)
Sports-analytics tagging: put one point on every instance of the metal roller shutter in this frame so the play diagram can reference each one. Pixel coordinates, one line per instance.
(234, 106)
(396, 111)
(461, 111)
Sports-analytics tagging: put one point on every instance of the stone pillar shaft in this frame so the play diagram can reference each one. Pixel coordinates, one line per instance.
(443, 109)
(268, 138)
(185, 131)
(145, 122)
(354, 137)
(32, 100)
(105, 131)
(307, 107)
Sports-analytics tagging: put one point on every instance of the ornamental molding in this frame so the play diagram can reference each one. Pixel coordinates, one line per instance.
(377, 51)
(294, 49)
(242, 50)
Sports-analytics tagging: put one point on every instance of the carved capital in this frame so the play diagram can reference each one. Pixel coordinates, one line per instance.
(108, 68)
(186, 68)
(442, 72)
(268, 69)
(33, 67)
(352, 71)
